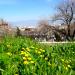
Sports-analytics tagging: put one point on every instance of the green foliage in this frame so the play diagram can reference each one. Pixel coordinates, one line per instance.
(23, 56)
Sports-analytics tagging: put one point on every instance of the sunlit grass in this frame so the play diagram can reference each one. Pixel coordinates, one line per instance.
(23, 56)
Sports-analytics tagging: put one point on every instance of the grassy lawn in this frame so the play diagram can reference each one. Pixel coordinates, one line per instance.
(23, 56)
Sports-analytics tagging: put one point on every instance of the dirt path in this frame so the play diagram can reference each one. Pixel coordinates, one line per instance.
(55, 42)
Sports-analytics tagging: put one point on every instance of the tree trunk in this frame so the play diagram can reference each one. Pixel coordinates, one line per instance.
(69, 30)
(68, 33)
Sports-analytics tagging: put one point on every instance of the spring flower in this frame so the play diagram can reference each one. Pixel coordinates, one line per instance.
(8, 46)
(36, 48)
(25, 62)
(27, 55)
(9, 53)
(24, 58)
(49, 63)
(27, 49)
(40, 49)
(16, 74)
(23, 49)
(73, 52)
(43, 50)
(41, 56)
(29, 58)
(46, 58)
(32, 47)
(39, 52)
(62, 60)
(68, 66)
(32, 62)
(67, 61)
(22, 52)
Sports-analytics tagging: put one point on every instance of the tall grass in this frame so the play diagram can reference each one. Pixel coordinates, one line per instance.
(23, 56)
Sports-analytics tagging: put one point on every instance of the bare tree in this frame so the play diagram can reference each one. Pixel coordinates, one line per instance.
(66, 13)
(43, 25)
(18, 33)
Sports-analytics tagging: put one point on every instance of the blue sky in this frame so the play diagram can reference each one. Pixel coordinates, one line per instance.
(18, 10)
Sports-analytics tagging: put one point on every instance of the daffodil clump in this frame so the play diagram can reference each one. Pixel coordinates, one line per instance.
(66, 64)
(39, 51)
(42, 54)
(27, 59)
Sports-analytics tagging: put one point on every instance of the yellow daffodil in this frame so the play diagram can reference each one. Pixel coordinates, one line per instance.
(25, 62)
(16, 74)
(29, 58)
(40, 49)
(43, 50)
(27, 55)
(68, 66)
(32, 47)
(46, 58)
(24, 58)
(8, 46)
(9, 53)
(36, 48)
(39, 52)
(23, 48)
(65, 67)
(22, 52)
(32, 62)
(49, 63)
(62, 60)
(67, 61)
(41, 56)
(27, 49)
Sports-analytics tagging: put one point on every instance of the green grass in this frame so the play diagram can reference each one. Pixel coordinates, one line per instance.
(23, 56)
